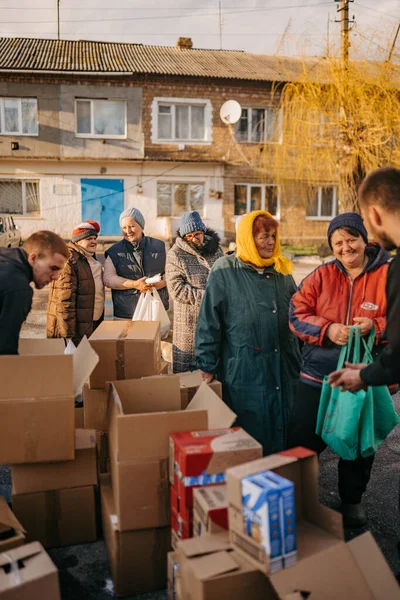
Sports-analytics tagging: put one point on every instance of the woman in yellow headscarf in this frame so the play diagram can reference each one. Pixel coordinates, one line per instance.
(243, 337)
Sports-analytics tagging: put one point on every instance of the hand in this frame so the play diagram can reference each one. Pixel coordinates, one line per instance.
(348, 378)
(141, 285)
(338, 333)
(159, 285)
(365, 325)
(207, 377)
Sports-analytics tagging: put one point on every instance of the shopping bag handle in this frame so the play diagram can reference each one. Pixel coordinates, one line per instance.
(368, 358)
(345, 351)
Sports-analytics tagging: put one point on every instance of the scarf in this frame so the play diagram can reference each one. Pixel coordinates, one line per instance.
(247, 250)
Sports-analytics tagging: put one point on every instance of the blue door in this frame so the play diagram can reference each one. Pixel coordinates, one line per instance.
(103, 201)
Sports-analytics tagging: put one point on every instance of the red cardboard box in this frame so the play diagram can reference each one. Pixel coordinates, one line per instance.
(182, 528)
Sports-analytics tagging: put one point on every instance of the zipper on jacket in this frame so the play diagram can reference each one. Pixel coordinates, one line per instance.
(350, 299)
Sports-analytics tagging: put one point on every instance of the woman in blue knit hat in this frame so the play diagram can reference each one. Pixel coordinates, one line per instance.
(349, 290)
(130, 262)
(188, 266)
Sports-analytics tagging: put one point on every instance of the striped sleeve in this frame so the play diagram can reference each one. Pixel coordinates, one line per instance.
(303, 320)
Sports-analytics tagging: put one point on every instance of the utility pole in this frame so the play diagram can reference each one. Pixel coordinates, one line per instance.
(345, 28)
(220, 25)
(389, 58)
(58, 19)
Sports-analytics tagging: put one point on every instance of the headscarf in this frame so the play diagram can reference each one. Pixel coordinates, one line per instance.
(247, 250)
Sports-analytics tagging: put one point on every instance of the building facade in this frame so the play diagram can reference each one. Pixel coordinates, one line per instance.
(87, 129)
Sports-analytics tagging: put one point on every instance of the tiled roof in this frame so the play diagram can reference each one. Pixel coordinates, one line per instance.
(20, 54)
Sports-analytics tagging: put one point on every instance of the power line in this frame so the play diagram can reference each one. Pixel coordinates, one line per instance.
(213, 14)
(379, 11)
(169, 33)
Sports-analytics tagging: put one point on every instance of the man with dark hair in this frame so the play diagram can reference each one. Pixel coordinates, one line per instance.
(41, 260)
(379, 198)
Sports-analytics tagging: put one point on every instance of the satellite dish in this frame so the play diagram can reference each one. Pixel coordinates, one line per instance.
(230, 112)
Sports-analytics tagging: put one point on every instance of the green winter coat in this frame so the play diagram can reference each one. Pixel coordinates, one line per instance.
(243, 337)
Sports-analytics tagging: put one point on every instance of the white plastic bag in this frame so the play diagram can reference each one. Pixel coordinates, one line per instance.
(151, 308)
(70, 347)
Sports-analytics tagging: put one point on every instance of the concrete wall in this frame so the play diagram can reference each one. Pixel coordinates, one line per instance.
(60, 191)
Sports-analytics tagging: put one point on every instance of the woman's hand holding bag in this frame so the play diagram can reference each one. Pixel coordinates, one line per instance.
(151, 308)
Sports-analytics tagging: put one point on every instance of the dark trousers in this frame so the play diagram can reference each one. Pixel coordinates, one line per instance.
(354, 475)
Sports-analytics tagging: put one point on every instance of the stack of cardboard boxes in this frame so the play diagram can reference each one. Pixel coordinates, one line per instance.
(52, 483)
(327, 568)
(200, 458)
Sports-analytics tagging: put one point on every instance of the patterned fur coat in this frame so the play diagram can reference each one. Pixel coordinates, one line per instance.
(187, 270)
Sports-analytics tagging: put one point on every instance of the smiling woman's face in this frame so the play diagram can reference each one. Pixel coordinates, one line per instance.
(348, 248)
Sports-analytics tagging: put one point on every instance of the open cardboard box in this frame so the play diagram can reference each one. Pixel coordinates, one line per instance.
(322, 552)
(40, 346)
(127, 350)
(190, 384)
(142, 415)
(12, 534)
(37, 411)
(28, 573)
(208, 569)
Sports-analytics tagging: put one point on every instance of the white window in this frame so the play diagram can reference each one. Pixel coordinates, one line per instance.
(173, 199)
(18, 116)
(323, 203)
(260, 125)
(101, 118)
(176, 120)
(20, 197)
(250, 197)
(323, 127)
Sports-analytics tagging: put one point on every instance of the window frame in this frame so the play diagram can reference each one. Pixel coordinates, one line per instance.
(24, 214)
(249, 121)
(263, 187)
(188, 184)
(173, 102)
(320, 217)
(96, 136)
(18, 133)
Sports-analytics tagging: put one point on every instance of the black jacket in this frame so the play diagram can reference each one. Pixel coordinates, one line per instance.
(15, 296)
(386, 369)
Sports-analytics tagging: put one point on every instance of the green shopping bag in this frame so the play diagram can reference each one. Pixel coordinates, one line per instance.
(378, 416)
(339, 412)
(355, 423)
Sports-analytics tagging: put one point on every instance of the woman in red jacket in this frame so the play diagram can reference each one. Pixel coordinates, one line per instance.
(350, 290)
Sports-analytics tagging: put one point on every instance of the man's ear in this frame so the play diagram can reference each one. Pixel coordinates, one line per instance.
(32, 258)
(375, 215)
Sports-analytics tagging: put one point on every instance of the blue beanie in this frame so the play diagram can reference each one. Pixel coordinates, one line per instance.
(350, 219)
(134, 213)
(190, 222)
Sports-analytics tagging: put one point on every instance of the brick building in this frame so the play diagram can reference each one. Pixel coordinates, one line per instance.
(88, 128)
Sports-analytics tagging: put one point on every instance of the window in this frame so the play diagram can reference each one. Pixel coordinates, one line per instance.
(18, 116)
(173, 199)
(323, 203)
(323, 127)
(259, 125)
(101, 118)
(20, 197)
(181, 120)
(250, 197)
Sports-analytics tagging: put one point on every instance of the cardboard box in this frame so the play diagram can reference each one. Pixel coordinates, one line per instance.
(164, 368)
(41, 346)
(58, 517)
(27, 573)
(143, 414)
(322, 553)
(37, 412)
(138, 559)
(182, 527)
(210, 513)
(173, 576)
(79, 418)
(41, 477)
(127, 350)
(95, 408)
(191, 382)
(12, 534)
(209, 570)
(202, 457)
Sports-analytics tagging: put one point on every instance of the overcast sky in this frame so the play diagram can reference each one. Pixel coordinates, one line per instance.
(251, 25)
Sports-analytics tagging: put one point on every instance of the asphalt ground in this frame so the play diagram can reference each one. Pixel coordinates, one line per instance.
(84, 569)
